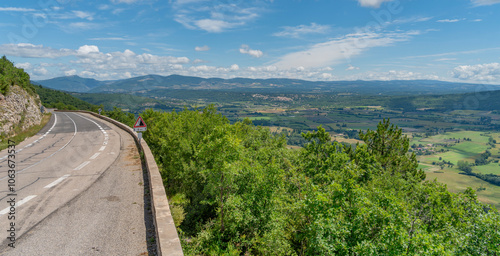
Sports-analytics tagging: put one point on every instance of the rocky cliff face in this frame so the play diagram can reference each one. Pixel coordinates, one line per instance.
(18, 109)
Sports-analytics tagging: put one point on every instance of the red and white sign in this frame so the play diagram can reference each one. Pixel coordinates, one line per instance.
(140, 125)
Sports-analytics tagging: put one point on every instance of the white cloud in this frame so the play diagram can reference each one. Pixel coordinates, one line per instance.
(84, 15)
(96, 64)
(216, 26)
(125, 1)
(372, 3)
(412, 20)
(87, 49)
(351, 67)
(481, 72)
(108, 39)
(484, 2)
(202, 48)
(33, 51)
(72, 15)
(234, 67)
(449, 20)
(40, 71)
(25, 65)
(245, 49)
(216, 16)
(84, 25)
(393, 75)
(341, 49)
(197, 61)
(71, 72)
(301, 30)
(16, 9)
(104, 7)
(477, 20)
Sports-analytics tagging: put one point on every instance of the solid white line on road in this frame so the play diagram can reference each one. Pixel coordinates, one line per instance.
(102, 148)
(95, 155)
(26, 199)
(41, 137)
(57, 181)
(74, 134)
(82, 165)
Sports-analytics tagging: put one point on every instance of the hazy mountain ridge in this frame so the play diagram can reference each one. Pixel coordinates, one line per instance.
(148, 83)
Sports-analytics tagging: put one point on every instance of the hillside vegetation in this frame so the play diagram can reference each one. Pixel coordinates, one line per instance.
(235, 189)
(62, 100)
(10, 76)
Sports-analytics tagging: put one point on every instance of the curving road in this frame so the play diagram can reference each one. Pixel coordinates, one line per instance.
(79, 190)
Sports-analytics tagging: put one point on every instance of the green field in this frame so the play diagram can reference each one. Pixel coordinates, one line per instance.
(465, 150)
(493, 168)
(458, 183)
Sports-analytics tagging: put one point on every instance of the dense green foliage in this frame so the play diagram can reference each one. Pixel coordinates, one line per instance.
(237, 190)
(61, 100)
(121, 116)
(10, 76)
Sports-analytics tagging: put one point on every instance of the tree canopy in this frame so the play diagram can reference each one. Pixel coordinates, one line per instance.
(235, 189)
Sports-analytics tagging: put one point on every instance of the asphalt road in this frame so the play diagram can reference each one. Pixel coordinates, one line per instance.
(78, 190)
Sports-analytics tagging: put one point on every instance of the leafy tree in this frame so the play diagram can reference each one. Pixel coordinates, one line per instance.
(390, 148)
(464, 166)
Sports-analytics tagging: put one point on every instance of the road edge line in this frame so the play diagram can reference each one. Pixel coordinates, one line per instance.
(167, 239)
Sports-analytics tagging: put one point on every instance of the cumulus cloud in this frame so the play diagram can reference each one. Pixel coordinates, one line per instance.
(484, 2)
(87, 49)
(25, 65)
(481, 72)
(96, 64)
(301, 30)
(372, 3)
(202, 48)
(245, 49)
(341, 49)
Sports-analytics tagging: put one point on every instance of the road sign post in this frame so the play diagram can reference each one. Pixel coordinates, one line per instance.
(139, 126)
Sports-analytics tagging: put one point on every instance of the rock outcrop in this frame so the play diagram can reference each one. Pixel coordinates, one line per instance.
(19, 110)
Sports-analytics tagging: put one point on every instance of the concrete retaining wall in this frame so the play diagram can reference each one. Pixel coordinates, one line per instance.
(167, 240)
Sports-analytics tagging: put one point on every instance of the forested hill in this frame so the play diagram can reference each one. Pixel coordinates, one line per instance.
(175, 82)
(235, 189)
(19, 104)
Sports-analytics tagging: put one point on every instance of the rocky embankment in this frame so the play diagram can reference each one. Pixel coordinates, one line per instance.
(18, 111)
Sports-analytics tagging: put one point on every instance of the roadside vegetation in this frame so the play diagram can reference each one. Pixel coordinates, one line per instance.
(22, 135)
(236, 189)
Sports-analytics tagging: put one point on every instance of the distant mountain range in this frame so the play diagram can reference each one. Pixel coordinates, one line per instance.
(149, 83)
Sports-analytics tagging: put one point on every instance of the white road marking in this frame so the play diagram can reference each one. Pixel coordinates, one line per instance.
(82, 165)
(95, 155)
(74, 134)
(57, 181)
(37, 140)
(26, 199)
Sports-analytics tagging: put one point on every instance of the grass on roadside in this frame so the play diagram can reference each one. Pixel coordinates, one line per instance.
(22, 135)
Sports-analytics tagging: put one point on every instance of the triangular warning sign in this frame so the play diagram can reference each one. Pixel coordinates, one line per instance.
(139, 123)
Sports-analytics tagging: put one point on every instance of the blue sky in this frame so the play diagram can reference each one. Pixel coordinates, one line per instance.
(450, 40)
